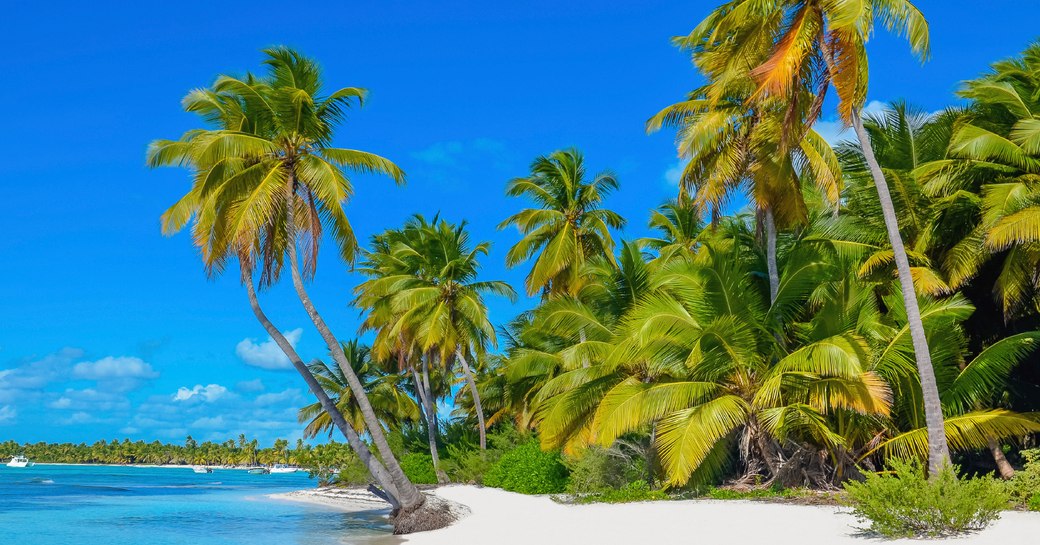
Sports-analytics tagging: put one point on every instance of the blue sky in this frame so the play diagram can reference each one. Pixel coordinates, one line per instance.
(108, 330)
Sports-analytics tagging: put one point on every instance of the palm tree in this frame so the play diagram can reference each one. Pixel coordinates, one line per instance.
(383, 389)
(568, 227)
(435, 296)
(267, 181)
(734, 146)
(819, 44)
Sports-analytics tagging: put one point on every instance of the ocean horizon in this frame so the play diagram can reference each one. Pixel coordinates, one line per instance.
(110, 504)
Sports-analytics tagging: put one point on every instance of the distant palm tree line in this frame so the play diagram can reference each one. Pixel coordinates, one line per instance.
(875, 302)
(240, 451)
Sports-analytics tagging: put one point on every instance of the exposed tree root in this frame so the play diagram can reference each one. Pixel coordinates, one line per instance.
(435, 513)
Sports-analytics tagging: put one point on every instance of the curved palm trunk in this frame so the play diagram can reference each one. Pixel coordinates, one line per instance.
(938, 451)
(1003, 466)
(476, 398)
(409, 496)
(378, 471)
(774, 273)
(431, 420)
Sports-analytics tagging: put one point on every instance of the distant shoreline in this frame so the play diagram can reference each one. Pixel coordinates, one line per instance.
(167, 466)
(350, 500)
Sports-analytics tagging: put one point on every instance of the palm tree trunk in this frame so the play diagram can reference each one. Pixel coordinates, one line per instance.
(476, 398)
(375, 468)
(409, 497)
(938, 451)
(1003, 466)
(774, 274)
(431, 419)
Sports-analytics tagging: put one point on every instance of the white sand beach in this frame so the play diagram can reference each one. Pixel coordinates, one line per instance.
(343, 499)
(503, 518)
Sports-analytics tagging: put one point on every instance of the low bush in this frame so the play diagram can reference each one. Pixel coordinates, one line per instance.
(467, 465)
(1024, 487)
(631, 492)
(598, 469)
(529, 470)
(905, 503)
(419, 468)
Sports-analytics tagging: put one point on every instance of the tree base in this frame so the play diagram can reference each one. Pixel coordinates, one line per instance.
(435, 513)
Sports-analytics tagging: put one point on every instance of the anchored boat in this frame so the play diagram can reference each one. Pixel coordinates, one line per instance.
(19, 461)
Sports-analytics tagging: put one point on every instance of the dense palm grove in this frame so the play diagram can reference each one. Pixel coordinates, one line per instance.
(875, 299)
(243, 451)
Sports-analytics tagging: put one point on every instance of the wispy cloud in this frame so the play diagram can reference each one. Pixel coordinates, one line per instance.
(448, 163)
(208, 393)
(7, 414)
(266, 354)
(834, 130)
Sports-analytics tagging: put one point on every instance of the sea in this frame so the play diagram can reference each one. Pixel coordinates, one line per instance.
(102, 505)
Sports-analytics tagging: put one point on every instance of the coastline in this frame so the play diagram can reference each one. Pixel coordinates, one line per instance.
(162, 466)
(347, 500)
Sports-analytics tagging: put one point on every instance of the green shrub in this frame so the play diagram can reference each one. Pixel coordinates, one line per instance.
(905, 503)
(773, 492)
(419, 468)
(1024, 487)
(631, 492)
(529, 470)
(599, 470)
(466, 465)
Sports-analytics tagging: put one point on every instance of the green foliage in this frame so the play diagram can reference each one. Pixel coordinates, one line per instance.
(905, 503)
(773, 492)
(1024, 487)
(468, 465)
(631, 492)
(529, 470)
(419, 468)
(601, 470)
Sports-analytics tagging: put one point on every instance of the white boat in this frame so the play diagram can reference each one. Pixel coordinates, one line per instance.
(202, 469)
(19, 461)
(258, 470)
(282, 468)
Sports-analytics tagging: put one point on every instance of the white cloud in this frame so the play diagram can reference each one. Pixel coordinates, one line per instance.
(273, 398)
(7, 414)
(80, 418)
(122, 367)
(60, 403)
(267, 355)
(208, 393)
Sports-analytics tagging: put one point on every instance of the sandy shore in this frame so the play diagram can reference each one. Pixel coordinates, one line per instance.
(506, 518)
(343, 499)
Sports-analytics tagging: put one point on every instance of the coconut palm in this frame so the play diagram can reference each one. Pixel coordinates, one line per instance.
(794, 45)
(733, 147)
(384, 391)
(267, 181)
(569, 225)
(992, 165)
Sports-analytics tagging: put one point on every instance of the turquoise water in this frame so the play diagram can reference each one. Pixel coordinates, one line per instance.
(100, 505)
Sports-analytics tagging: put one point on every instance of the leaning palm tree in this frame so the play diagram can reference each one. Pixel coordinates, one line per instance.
(816, 45)
(268, 182)
(569, 225)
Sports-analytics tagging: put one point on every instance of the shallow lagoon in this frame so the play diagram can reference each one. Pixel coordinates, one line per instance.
(63, 504)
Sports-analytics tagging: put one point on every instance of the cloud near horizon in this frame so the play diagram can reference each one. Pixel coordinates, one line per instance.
(208, 393)
(267, 354)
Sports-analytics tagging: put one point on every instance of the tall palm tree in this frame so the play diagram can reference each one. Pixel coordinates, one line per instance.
(817, 45)
(569, 225)
(266, 182)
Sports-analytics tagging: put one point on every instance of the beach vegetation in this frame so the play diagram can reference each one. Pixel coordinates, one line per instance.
(529, 470)
(905, 502)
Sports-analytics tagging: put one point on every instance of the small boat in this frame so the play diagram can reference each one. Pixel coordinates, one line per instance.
(19, 461)
(282, 468)
(258, 471)
(202, 469)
